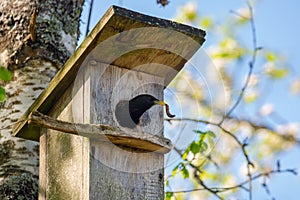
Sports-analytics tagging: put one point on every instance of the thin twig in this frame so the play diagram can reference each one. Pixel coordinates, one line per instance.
(251, 64)
(258, 126)
(228, 115)
(242, 91)
(89, 18)
(239, 15)
(241, 95)
(191, 119)
(200, 181)
(243, 146)
(175, 140)
(241, 185)
(197, 177)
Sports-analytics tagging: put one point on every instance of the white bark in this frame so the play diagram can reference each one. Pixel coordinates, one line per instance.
(28, 83)
(33, 64)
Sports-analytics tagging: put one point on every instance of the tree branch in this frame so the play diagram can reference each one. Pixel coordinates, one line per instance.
(242, 145)
(89, 18)
(251, 63)
(106, 133)
(197, 172)
(241, 185)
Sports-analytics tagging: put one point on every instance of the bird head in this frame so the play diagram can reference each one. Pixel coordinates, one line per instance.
(128, 113)
(158, 102)
(145, 101)
(140, 104)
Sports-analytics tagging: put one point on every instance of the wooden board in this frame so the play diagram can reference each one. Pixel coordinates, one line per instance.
(119, 29)
(117, 172)
(64, 169)
(137, 141)
(76, 167)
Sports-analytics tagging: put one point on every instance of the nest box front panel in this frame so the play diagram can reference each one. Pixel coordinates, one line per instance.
(106, 85)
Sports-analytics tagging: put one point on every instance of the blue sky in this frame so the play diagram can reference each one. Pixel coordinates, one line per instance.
(277, 28)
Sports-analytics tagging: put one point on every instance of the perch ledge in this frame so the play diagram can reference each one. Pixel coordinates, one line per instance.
(135, 140)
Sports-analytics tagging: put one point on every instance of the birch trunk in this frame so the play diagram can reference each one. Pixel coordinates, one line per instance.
(33, 47)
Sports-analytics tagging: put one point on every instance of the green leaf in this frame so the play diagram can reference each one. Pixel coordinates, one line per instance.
(201, 145)
(210, 141)
(270, 56)
(175, 170)
(230, 49)
(2, 94)
(204, 147)
(250, 97)
(5, 74)
(185, 173)
(186, 153)
(168, 195)
(191, 16)
(167, 183)
(199, 132)
(202, 137)
(211, 134)
(206, 22)
(195, 147)
(242, 20)
(278, 73)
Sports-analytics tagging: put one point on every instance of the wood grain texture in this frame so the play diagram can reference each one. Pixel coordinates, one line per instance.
(123, 173)
(105, 133)
(64, 168)
(110, 84)
(43, 165)
(78, 167)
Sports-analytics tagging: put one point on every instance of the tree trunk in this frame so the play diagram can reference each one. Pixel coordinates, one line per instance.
(36, 38)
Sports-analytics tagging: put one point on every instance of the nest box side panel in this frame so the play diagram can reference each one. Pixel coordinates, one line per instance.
(64, 168)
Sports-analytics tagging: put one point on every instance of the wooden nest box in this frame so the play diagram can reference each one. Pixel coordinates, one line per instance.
(84, 152)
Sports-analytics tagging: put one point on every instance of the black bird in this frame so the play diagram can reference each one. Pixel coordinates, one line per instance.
(128, 113)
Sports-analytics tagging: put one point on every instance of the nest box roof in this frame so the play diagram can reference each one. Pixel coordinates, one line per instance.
(125, 39)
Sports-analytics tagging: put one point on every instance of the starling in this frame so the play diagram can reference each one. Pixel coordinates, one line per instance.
(128, 113)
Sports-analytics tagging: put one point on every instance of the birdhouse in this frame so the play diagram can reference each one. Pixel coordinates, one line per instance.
(87, 148)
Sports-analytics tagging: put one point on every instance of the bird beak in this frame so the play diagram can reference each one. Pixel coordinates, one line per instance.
(161, 103)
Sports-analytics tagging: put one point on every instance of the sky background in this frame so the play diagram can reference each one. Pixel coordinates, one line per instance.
(277, 28)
